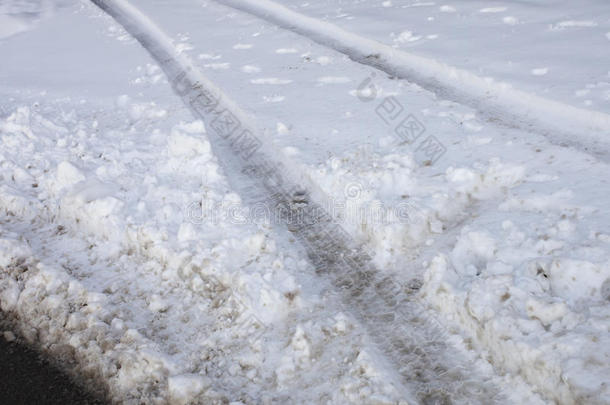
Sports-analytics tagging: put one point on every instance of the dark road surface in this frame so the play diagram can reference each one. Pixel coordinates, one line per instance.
(27, 378)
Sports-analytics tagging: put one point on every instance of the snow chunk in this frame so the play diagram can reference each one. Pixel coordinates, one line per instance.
(186, 387)
(282, 129)
(546, 313)
(68, 175)
(271, 81)
(540, 71)
(9, 336)
(472, 252)
(286, 50)
(482, 186)
(297, 355)
(510, 20)
(157, 304)
(407, 36)
(9, 295)
(574, 24)
(577, 280)
(182, 144)
(250, 69)
(492, 10)
(242, 46)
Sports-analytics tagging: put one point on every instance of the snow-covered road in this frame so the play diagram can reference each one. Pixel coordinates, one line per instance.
(321, 233)
(494, 101)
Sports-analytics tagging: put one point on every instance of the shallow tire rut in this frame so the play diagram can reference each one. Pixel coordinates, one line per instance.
(431, 370)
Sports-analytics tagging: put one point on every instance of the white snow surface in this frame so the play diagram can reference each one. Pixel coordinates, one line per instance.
(152, 294)
(126, 251)
(504, 40)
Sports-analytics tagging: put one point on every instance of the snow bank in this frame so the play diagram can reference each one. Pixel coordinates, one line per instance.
(129, 273)
(529, 294)
(412, 211)
(543, 319)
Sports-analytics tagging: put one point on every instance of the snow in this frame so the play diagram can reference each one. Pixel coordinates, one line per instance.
(490, 39)
(530, 284)
(168, 289)
(130, 248)
(124, 235)
(183, 388)
(463, 86)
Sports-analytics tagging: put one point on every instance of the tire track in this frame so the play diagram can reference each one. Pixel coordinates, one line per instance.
(561, 123)
(430, 369)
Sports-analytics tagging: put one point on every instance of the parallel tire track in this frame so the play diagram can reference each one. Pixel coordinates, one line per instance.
(561, 123)
(430, 370)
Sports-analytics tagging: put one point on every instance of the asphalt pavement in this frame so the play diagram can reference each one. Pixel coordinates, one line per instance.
(27, 377)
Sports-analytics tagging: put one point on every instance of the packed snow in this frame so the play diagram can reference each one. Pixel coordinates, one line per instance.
(130, 252)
